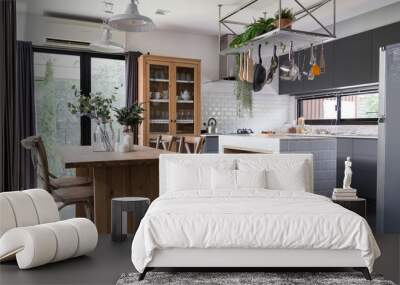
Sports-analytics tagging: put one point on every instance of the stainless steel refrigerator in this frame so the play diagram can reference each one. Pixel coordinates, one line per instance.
(388, 188)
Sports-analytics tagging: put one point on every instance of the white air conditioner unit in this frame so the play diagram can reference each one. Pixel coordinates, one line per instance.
(72, 33)
(66, 43)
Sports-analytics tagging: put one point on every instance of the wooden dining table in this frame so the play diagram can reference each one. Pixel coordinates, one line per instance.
(114, 174)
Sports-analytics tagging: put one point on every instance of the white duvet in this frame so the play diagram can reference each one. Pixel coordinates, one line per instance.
(250, 219)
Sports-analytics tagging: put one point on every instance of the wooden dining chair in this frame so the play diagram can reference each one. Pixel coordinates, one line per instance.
(65, 190)
(165, 142)
(191, 144)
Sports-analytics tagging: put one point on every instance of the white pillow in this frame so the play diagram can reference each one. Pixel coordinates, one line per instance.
(251, 178)
(223, 179)
(281, 174)
(192, 175)
(291, 178)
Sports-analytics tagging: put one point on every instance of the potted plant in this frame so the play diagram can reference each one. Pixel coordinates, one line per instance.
(286, 18)
(98, 108)
(129, 117)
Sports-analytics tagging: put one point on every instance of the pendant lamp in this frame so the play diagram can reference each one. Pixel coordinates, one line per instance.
(131, 20)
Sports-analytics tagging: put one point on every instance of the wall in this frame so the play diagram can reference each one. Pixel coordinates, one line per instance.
(35, 28)
(270, 111)
(179, 44)
(368, 21)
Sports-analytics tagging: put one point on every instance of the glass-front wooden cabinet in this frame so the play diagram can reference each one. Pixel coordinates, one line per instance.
(169, 88)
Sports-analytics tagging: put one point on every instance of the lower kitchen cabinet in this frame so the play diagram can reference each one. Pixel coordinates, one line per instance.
(211, 144)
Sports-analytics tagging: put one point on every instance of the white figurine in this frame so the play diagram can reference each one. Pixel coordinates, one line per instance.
(348, 173)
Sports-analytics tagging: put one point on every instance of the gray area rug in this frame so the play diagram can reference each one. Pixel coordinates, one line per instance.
(243, 278)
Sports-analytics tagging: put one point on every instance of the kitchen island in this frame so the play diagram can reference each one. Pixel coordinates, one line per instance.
(114, 175)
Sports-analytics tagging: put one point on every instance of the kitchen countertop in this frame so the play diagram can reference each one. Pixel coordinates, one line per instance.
(298, 136)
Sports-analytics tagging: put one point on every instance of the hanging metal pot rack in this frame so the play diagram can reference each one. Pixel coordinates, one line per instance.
(282, 36)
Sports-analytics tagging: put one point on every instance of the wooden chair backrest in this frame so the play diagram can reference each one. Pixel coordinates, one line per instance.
(39, 159)
(165, 142)
(197, 144)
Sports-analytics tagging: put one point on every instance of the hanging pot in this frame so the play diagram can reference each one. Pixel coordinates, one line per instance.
(259, 73)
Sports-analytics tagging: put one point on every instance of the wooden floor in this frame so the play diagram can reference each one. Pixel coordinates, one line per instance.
(111, 259)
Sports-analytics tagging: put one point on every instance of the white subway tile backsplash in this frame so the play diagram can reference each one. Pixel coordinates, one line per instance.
(269, 110)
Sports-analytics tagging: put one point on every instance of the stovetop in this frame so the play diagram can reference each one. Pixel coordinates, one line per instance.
(244, 131)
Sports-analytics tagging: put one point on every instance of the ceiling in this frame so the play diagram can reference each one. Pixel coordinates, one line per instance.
(200, 17)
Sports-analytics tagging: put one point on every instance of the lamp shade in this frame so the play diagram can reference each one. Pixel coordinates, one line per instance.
(106, 44)
(131, 20)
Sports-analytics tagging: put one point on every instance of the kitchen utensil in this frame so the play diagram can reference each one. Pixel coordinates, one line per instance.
(185, 95)
(212, 125)
(241, 67)
(157, 95)
(259, 73)
(315, 69)
(244, 66)
(250, 68)
(165, 94)
(294, 69)
(311, 75)
(273, 67)
(304, 72)
(322, 63)
(299, 75)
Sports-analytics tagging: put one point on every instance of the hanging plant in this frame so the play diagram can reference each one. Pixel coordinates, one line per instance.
(243, 93)
(244, 98)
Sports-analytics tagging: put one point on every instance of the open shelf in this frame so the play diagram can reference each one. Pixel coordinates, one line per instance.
(159, 121)
(185, 81)
(184, 121)
(279, 37)
(159, 100)
(158, 80)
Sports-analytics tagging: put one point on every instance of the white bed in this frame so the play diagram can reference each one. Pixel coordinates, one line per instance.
(202, 220)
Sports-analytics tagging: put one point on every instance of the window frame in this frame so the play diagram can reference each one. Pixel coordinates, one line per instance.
(338, 121)
(85, 77)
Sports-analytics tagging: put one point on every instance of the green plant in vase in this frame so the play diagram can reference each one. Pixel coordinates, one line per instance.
(129, 116)
(96, 107)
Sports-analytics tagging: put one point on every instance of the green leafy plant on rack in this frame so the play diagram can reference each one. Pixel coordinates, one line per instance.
(262, 26)
(259, 27)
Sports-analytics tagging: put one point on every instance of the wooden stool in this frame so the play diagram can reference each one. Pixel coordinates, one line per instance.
(119, 209)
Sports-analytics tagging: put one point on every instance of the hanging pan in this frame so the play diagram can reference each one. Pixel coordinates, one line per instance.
(259, 73)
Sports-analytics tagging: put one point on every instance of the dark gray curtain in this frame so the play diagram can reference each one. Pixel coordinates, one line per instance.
(9, 176)
(132, 79)
(26, 111)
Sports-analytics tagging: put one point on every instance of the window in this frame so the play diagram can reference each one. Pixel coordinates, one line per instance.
(55, 72)
(356, 107)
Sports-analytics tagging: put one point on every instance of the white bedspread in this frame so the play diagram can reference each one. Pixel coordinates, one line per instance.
(250, 219)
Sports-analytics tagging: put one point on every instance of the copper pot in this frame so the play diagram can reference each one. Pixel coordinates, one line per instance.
(284, 23)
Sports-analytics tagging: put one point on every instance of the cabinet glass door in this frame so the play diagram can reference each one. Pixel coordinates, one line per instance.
(159, 107)
(185, 99)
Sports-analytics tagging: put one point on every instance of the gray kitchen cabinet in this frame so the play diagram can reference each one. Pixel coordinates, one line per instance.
(383, 36)
(353, 60)
(363, 153)
(325, 80)
(211, 144)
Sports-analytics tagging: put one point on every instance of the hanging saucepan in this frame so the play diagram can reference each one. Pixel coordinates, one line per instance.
(273, 67)
(289, 70)
(259, 73)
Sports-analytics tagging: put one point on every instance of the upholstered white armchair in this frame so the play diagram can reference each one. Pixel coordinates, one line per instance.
(31, 230)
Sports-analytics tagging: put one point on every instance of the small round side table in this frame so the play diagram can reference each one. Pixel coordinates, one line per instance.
(120, 207)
